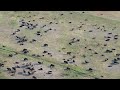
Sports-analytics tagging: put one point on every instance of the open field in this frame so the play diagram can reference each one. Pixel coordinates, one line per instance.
(59, 45)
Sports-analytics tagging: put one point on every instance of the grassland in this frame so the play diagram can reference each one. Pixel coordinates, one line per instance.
(60, 38)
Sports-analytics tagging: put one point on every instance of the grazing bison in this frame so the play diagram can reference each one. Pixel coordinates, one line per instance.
(25, 51)
(10, 55)
(25, 59)
(52, 65)
(44, 51)
(66, 62)
(40, 62)
(34, 77)
(69, 53)
(67, 68)
(9, 69)
(40, 69)
(90, 69)
(49, 72)
(1, 65)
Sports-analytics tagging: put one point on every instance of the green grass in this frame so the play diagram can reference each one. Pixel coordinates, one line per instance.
(77, 70)
(11, 20)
